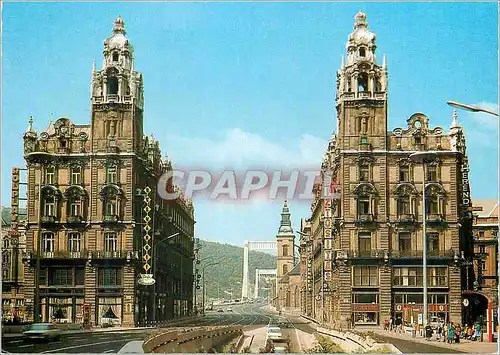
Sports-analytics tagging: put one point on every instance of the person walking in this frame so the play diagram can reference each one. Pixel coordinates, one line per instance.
(451, 333)
(445, 333)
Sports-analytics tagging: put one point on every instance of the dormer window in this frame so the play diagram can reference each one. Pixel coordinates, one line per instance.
(418, 140)
(63, 143)
(115, 56)
(362, 52)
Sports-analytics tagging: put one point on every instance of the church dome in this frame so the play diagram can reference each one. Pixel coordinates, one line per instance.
(118, 39)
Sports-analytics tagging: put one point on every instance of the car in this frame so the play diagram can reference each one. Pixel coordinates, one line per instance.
(274, 333)
(280, 347)
(45, 331)
(229, 310)
(220, 310)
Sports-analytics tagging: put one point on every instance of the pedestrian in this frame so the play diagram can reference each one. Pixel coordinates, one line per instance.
(439, 331)
(479, 331)
(445, 333)
(451, 333)
(458, 330)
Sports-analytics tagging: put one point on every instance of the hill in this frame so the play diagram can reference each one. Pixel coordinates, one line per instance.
(228, 274)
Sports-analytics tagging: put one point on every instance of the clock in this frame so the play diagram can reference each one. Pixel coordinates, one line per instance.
(417, 124)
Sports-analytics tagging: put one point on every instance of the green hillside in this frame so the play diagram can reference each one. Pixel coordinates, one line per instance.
(226, 275)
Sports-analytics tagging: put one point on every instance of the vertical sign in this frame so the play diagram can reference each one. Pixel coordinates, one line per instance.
(14, 211)
(146, 278)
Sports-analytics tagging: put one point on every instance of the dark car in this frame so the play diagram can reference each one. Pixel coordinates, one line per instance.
(220, 310)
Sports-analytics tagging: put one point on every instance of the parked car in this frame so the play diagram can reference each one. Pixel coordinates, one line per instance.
(274, 333)
(220, 310)
(45, 331)
(229, 310)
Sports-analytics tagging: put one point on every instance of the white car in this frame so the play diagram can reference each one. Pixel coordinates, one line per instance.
(229, 310)
(47, 331)
(274, 333)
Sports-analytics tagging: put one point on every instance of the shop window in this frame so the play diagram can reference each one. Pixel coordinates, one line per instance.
(365, 298)
(365, 317)
(417, 298)
(365, 276)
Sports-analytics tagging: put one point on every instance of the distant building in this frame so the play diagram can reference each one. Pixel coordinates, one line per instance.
(287, 270)
(13, 245)
(485, 264)
(95, 219)
(365, 244)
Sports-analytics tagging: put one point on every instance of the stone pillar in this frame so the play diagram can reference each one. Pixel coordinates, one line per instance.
(385, 296)
(90, 295)
(455, 295)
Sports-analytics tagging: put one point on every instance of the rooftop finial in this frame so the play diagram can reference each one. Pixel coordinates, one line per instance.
(30, 127)
(384, 62)
(455, 123)
(360, 20)
(119, 25)
(93, 65)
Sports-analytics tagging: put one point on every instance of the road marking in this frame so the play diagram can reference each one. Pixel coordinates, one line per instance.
(81, 346)
(25, 346)
(109, 351)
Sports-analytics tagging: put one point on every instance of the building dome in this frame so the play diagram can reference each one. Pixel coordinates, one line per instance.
(118, 39)
(361, 34)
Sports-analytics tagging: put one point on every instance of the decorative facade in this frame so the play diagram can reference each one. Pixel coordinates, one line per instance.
(95, 220)
(287, 271)
(366, 242)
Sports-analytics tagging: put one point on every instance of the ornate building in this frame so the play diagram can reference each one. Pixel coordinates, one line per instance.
(366, 243)
(287, 271)
(95, 220)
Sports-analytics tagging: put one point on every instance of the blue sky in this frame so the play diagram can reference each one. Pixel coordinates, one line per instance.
(251, 83)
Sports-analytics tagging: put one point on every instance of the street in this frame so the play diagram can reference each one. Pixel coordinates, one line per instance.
(113, 341)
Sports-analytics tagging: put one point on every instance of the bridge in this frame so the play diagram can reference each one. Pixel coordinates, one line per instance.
(261, 245)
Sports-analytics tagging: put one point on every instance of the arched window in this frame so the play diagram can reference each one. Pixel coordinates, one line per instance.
(434, 200)
(285, 250)
(405, 197)
(363, 83)
(112, 86)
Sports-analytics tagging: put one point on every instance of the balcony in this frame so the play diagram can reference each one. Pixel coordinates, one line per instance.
(364, 94)
(434, 217)
(112, 97)
(63, 254)
(365, 218)
(418, 254)
(74, 219)
(117, 254)
(368, 254)
(127, 99)
(47, 219)
(110, 219)
(406, 218)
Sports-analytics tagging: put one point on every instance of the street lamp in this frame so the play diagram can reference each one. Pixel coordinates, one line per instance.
(470, 107)
(424, 158)
(204, 286)
(481, 109)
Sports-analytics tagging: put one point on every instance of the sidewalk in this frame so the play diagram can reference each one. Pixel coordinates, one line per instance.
(467, 346)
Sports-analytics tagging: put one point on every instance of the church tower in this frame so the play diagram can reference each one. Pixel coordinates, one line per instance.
(285, 244)
(117, 97)
(361, 92)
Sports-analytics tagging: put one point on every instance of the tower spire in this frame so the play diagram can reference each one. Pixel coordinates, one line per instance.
(286, 223)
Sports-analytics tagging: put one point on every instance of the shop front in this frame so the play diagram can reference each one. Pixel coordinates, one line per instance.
(62, 309)
(109, 311)
(365, 308)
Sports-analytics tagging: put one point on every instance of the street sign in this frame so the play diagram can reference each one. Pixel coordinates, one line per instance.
(420, 319)
(146, 280)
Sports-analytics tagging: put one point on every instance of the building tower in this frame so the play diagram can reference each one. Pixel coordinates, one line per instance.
(117, 97)
(285, 243)
(362, 124)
